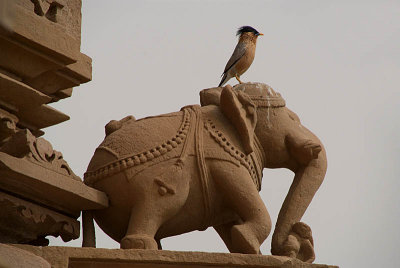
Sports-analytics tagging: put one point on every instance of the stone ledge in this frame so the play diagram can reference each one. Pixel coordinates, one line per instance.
(44, 186)
(39, 117)
(63, 257)
(20, 95)
(72, 75)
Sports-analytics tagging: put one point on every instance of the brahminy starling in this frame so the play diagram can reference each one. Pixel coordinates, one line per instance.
(243, 55)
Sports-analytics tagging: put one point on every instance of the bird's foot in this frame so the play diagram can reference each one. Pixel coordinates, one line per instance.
(238, 78)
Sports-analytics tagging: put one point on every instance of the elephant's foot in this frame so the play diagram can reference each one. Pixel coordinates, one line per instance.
(138, 242)
(244, 240)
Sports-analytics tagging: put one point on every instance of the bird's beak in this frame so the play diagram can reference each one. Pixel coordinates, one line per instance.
(260, 34)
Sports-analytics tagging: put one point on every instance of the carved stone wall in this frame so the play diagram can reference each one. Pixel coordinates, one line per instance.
(40, 63)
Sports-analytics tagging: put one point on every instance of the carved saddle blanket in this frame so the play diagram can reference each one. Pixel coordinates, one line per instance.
(197, 131)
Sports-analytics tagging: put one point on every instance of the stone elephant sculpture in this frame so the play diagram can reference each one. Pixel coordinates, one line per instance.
(202, 166)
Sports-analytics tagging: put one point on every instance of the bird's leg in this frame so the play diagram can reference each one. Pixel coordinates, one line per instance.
(238, 78)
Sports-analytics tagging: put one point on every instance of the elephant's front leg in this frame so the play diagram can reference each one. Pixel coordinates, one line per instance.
(241, 195)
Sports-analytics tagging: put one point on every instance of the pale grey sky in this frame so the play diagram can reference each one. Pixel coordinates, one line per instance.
(337, 64)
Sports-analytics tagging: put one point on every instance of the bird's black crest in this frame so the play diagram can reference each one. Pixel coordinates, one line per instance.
(246, 29)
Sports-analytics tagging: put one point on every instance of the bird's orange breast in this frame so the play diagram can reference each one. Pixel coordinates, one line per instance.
(246, 60)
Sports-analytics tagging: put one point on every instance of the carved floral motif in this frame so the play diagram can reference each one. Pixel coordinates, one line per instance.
(24, 144)
(32, 223)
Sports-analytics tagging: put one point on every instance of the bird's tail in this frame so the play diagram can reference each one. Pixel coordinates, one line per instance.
(223, 80)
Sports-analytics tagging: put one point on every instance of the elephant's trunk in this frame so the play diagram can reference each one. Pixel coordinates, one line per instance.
(306, 182)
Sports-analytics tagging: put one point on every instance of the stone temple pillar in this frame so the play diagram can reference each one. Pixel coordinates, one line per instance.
(40, 63)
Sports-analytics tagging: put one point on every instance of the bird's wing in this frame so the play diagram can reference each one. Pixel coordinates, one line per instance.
(239, 51)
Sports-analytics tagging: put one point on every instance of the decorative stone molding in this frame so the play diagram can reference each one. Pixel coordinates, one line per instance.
(24, 177)
(23, 144)
(25, 222)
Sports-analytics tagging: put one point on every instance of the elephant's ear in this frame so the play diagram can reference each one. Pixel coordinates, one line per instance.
(241, 111)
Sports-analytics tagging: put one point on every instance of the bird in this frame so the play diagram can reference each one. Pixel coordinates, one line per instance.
(243, 55)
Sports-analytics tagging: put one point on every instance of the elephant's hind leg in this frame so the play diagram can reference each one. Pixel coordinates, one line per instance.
(242, 196)
(140, 232)
(160, 192)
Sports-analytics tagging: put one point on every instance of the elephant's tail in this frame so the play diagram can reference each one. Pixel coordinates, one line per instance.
(89, 236)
